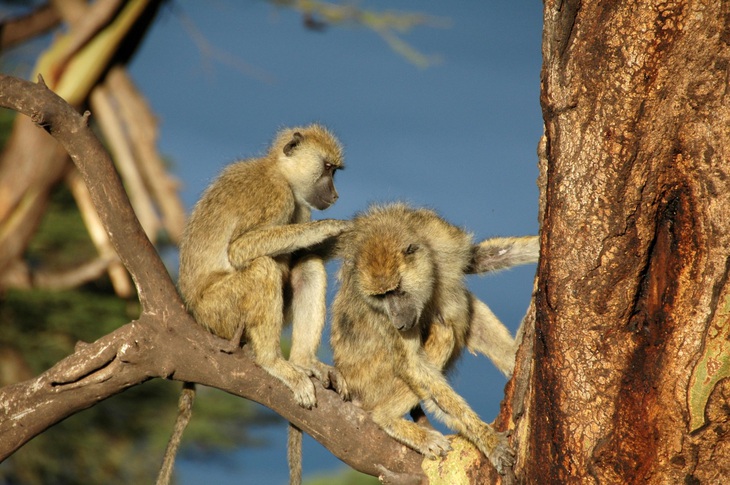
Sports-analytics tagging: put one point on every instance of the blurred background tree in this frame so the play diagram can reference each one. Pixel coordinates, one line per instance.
(60, 280)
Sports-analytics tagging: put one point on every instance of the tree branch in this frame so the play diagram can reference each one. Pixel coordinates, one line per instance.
(156, 290)
(20, 275)
(14, 31)
(165, 342)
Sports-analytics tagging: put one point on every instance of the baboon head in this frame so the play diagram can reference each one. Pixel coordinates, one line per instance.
(309, 158)
(394, 270)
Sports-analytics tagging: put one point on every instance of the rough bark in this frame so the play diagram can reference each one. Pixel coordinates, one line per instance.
(630, 344)
(164, 342)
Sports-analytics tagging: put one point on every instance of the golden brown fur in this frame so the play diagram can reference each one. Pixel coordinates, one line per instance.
(403, 314)
(235, 255)
(243, 258)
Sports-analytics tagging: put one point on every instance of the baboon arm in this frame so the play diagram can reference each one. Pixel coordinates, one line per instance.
(277, 240)
(423, 377)
(455, 412)
(499, 253)
(489, 336)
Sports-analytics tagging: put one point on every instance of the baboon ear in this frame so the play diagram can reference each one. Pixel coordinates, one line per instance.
(296, 138)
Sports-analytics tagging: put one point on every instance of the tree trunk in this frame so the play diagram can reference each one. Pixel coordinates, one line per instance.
(630, 342)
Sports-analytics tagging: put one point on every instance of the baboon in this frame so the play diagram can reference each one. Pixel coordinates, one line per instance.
(242, 268)
(403, 314)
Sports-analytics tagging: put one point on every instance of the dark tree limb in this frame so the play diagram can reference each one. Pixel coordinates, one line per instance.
(16, 30)
(165, 342)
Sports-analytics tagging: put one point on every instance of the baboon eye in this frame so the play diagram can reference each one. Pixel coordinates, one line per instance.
(412, 248)
(330, 167)
(398, 291)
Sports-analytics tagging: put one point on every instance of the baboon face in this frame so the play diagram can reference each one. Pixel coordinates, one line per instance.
(324, 193)
(310, 162)
(396, 276)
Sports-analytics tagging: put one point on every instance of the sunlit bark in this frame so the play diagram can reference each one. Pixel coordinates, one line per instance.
(630, 341)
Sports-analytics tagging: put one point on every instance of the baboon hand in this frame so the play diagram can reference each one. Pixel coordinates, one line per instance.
(502, 456)
(338, 226)
(435, 445)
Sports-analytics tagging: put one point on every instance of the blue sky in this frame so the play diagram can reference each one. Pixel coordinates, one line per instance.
(459, 136)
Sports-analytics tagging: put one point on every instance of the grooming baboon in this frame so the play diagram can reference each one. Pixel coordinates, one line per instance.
(403, 314)
(241, 264)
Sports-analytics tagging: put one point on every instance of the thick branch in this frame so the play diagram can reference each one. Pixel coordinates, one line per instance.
(184, 351)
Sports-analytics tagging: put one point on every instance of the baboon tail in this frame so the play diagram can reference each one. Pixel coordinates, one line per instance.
(500, 253)
(184, 412)
(294, 455)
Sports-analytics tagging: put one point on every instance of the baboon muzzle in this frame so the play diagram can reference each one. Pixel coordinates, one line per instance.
(402, 312)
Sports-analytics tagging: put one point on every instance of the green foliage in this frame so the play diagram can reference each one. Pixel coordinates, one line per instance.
(61, 240)
(6, 122)
(44, 325)
(713, 365)
(109, 443)
(220, 423)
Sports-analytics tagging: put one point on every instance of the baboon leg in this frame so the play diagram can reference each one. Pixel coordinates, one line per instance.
(500, 253)
(489, 336)
(419, 417)
(428, 442)
(309, 311)
(264, 318)
(308, 283)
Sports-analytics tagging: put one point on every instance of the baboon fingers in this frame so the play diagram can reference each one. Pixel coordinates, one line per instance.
(435, 445)
(330, 377)
(318, 370)
(502, 456)
(339, 384)
(304, 394)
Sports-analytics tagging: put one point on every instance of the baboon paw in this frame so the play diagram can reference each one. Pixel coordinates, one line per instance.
(342, 226)
(318, 370)
(436, 445)
(503, 456)
(339, 384)
(321, 371)
(328, 376)
(304, 393)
